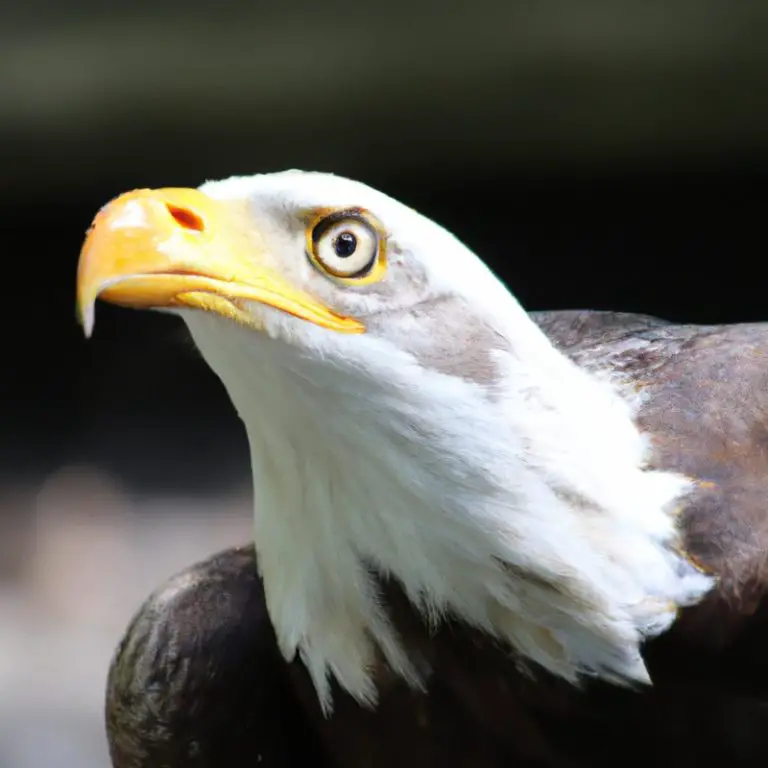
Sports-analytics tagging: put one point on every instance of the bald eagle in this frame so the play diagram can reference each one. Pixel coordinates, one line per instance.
(482, 538)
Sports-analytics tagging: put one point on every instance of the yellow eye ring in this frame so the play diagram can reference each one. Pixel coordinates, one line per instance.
(347, 245)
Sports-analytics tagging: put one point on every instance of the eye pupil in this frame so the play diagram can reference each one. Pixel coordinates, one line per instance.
(345, 245)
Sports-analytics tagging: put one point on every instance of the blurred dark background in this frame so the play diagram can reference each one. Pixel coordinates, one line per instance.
(604, 154)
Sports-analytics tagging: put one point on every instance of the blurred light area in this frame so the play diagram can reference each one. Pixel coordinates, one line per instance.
(79, 555)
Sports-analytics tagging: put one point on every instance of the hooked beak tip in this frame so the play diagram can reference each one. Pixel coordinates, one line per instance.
(86, 317)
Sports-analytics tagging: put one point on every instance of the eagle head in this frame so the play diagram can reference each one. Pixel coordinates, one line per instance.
(407, 420)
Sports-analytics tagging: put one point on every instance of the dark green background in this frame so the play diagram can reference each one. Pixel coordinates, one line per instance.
(609, 154)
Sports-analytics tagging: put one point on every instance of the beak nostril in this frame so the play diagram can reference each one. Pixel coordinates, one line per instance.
(186, 218)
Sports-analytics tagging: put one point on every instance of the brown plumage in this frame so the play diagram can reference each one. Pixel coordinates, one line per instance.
(198, 680)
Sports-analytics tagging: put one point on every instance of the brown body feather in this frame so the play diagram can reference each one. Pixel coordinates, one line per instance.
(198, 681)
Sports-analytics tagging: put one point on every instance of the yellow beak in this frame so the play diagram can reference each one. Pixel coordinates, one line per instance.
(180, 248)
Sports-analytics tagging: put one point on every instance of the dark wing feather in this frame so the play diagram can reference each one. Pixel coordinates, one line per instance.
(198, 681)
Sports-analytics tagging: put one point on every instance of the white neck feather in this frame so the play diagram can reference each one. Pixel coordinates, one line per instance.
(528, 514)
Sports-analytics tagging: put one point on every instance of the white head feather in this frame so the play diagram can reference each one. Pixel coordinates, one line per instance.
(451, 447)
